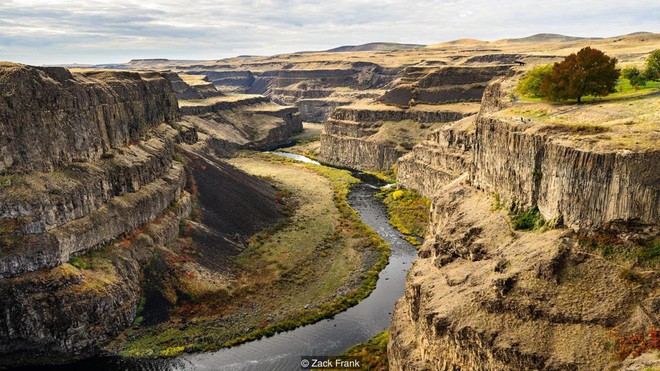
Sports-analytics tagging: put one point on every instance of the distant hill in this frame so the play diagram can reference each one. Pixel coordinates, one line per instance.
(550, 37)
(375, 47)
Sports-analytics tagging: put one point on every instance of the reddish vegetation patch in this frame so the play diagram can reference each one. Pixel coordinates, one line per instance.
(636, 344)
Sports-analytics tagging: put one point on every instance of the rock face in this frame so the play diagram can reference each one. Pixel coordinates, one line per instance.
(51, 118)
(528, 169)
(442, 157)
(242, 122)
(202, 88)
(422, 99)
(483, 296)
(117, 183)
(432, 85)
(92, 187)
(314, 89)
(88, 160)
(65, 313)
(373, 137)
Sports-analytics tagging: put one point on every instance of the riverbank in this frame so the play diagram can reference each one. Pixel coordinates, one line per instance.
(319, 261)
(408, 212)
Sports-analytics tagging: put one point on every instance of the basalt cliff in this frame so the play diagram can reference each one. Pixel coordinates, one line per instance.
(486, 294)
(99, 170)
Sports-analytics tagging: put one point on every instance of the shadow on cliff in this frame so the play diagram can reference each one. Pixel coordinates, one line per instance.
(232, 207)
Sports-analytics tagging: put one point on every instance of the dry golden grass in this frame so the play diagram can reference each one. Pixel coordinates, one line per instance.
(625, 124)
(632, 48)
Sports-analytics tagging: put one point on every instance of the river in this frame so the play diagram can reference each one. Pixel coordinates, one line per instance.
(327, 337)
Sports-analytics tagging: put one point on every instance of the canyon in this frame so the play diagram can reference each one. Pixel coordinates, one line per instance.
(93, 168)
(114, 168)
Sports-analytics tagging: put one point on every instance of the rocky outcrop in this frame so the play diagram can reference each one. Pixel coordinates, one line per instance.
(531, 169)
(392, 114)
(50, 117)
(318, 110)
(442, 157)
(373, 137)
(117, 183)
(230, 81)
(28, 247)
(528, 167)
(64, 313)
(242, 122)
(422, 95)
(88, 166)
(221, 104)
(484, 296)
(429, 85)
(357, 154)
(481, 296)
(184, 90)
(316, 90)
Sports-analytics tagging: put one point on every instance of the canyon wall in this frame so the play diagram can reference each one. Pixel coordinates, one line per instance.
(484, 296)
(442, 157)
(373, 137)
(481, 296)
(423, 99)
(314, 88)
(93, 186)
(580, 188)
(527, 166)
(242, 122)
(49, 118)
(197, 88)
(88, 160)
(82, 153)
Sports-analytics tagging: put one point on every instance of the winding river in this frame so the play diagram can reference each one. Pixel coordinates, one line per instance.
(327, 337)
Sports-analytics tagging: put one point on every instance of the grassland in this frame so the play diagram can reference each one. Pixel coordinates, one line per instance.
(623, 121)
(319, 262)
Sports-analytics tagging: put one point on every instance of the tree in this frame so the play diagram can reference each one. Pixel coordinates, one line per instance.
(652, 71)
(636, 77)
(589, 72)
(530, 84)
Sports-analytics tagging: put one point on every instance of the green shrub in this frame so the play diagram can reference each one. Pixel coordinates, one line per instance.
(497, 203)
(79, 263)
(527, 220)
(636, 77)
(530, 84)
(649, 253)
(408, 211)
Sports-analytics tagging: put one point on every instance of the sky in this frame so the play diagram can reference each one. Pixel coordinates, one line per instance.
(113, 31)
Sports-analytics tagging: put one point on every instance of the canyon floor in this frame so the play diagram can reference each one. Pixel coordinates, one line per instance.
(298, 269)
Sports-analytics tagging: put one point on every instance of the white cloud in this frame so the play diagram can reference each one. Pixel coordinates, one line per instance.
(97, 31)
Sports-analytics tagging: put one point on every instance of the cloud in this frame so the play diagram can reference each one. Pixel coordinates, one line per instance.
(98, 31)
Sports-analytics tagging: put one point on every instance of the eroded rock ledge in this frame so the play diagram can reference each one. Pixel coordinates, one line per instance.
(51, 117)
(372, 136)
(483, 297)
(88, 160)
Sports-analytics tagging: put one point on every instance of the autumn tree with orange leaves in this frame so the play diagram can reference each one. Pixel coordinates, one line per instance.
(589, 72)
